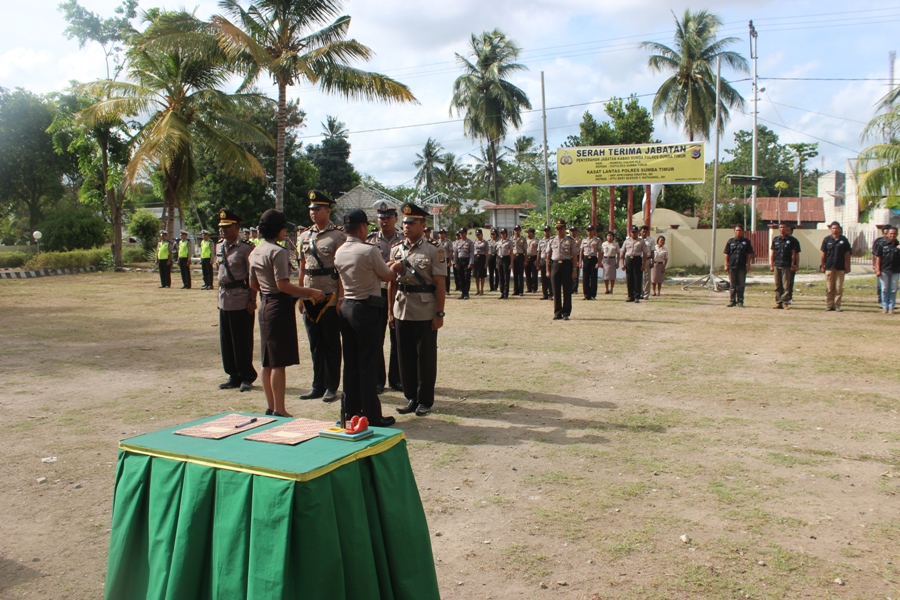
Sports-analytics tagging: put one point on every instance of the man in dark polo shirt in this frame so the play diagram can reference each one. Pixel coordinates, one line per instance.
(875, 245)
(887, 269)
(835, 264)
(784, 256)
(738, 258)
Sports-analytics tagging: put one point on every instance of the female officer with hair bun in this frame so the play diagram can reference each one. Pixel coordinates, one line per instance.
(270, 273)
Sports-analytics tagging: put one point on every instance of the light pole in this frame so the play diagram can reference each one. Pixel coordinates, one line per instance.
(753, 56)
(37, 235)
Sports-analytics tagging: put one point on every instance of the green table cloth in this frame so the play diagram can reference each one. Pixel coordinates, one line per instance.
(229, 519)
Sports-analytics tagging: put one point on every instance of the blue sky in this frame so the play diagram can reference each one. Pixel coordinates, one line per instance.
(589, 51)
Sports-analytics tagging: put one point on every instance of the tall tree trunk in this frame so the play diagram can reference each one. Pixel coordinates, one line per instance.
(494, 172)
(170, 200)
(112, 199)
(279, 146)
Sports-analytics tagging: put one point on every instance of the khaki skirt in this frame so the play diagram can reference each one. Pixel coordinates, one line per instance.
(609, 268)
(278, 331)
(658, 274)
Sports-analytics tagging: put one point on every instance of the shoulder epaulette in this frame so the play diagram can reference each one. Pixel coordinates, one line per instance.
(339, 227)
(397, 243)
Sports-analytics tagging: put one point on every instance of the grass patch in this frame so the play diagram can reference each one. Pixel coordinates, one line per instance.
(532, 565)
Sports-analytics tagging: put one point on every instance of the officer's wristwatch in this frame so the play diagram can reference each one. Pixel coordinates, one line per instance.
(439, 313)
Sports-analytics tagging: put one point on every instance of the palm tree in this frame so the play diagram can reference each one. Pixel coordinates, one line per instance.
(688, 97)
(453, 174)
(487, 167)
(490, 103)
(428, 163)
(878, 166)
(282, 37)
(332, 128)
(175, 95)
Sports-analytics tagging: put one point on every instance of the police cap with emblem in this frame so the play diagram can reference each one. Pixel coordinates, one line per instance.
(546, 228)
(385, 209)
(226, 218)
(560, 224)
(413, 213)
(317, 198)
(529, 230)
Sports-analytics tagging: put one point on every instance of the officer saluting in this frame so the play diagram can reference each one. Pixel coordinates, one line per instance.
(417, 310)
(384, 239)
(236, 302)
(318, 245)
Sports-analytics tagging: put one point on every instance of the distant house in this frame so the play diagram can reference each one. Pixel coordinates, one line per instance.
(774, 210)
(663, 218)
(840, 193)
(361, 197)
(507, 215)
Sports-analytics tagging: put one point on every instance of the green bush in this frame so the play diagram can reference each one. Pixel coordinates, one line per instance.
(145, 227)
(72, 229)
(134, 255)
(74, 259)
(13, 260)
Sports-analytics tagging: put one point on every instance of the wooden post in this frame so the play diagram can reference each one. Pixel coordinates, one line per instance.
(612, 208)
(630, 207)
(594, 207)
(647, 206)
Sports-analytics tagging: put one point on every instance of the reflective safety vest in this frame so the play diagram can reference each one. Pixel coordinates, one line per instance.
(256, 241)
(183, 249)
(162, 251)
(205, 249)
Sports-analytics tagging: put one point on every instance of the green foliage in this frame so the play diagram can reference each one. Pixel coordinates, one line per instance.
(774, 161)
(13, 260)
(30, 171)
(73, 259)
(680, 198)
(132, 255)
(522, 193)
(144, 226)
(332, 159)
(629, 123)
(72, 229)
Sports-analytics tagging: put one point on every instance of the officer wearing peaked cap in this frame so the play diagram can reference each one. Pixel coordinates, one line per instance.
(317, 248)
(387, 236)
(164, 259)
(417, 310)
(561, 256)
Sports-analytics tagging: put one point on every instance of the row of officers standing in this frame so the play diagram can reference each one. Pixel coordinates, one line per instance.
(557, 261)
(352, 288)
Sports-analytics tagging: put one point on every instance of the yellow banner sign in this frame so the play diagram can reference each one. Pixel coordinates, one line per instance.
(636, 164)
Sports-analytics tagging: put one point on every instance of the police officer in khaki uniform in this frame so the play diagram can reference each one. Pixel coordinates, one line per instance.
(417, 310)
(493, 276)
(518, 261)
(236, 302)
(362, 270)
(463, 261)
(610, 260)
(532, 266)
(447, 246)
(634, 253)
(384, 238)
(504, 262)
(575, 233)
(648, 264)
(481, 248)
(561, 257)
(318, 245)
(590, 251)
(543, 247)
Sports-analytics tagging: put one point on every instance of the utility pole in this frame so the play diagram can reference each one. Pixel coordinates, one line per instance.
(546, 169)
(753, 193)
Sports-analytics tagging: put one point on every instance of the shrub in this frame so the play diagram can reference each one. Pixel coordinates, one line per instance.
(145, 227)
(134, 255)
(72, 229)
(12, 260)
(74, 259)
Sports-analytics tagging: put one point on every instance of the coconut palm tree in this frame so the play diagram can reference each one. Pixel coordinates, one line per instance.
(490, 103)
(293, 41)
(428, 164)
(174, 94)
(878, 166)
(332, 128)
(688, 97)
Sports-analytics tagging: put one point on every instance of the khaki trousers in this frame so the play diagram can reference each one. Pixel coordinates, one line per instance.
(834, 288)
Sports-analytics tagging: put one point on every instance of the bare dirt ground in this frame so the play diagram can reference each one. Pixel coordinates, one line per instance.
(564, 459)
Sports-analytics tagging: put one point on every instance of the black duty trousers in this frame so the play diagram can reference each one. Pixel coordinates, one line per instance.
(165, 273)
(738, 279)
(417, 349)
(546, 287)
(206, 267)
(518, 266)
(325, 348)
(634, 276)
(503, 268)
(531, 274)
(236, 342)
(589, 265)
(360, 326)
(465, 276)
(393, 374)
(184, 265)
(561, 275)
(493, 276)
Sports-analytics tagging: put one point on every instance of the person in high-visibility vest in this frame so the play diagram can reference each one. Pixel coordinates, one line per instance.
(206, 260)
(254, 236)
(184, 260)
(164, 259)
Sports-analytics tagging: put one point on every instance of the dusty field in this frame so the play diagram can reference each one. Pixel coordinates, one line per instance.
(564, 459)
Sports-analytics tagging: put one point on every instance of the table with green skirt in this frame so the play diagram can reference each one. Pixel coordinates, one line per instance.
(326, 519)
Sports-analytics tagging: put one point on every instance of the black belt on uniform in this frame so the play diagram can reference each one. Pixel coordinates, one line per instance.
(317, 272)
(229, 285)
(565, 260)
(417, 289)
(275, 295)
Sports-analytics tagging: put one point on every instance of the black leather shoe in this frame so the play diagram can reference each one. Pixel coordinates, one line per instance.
(422, 411)
(397, 387)
(312, 394)
(329, 396)
(411, 406)
(557, 317)
(230, 384)
(269, 412)
(383, 422)
(379, 389)
(246, 386)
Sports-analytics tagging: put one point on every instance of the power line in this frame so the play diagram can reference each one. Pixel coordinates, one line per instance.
(817, 113)
(825, 78)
